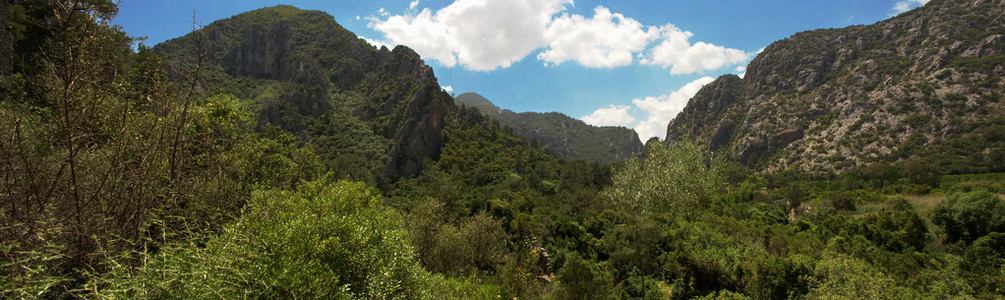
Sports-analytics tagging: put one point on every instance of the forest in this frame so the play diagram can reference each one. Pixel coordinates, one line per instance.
(128, 174)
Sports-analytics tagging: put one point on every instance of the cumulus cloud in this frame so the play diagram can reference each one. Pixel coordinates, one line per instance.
(413, 4)
(448, 89)
(902, 6)
(604, 41)
(477, 34)
(486, 35)
(678, 54)
(614, 115)
(658, 111)
(662, 109)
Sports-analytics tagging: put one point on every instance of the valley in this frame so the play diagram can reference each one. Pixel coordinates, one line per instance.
(276, 154)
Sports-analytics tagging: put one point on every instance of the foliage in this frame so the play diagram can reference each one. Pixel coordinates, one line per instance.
(321, 241)
(671, 179)
(967, 216)
(159, 177)
(842, 277)
(582, 279)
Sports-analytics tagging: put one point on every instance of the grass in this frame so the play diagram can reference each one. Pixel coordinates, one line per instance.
(925, 203)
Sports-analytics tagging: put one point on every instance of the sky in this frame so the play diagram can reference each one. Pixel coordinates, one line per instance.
(607, 62)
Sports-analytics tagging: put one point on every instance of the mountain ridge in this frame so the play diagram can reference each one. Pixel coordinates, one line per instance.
(322, 81)
(923, 85)
(564, 136)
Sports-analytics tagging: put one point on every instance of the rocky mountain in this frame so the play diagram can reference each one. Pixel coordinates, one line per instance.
(310, 76)
(561, 134)
(924, 85)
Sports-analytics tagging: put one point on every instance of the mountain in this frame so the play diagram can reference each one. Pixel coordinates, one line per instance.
(311, 76)
(922, 86)
(561, 134)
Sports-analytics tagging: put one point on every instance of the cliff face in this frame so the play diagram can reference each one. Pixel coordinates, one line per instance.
(326, 75)
(924, 84)
(561, 134)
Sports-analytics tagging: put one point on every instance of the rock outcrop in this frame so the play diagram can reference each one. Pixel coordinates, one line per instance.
(924, 84)
(325, 70)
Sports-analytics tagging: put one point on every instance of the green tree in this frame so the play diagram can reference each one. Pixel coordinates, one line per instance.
(984, 263)
(923, 172)
(967, 216)
(674, 179)
(582, 279)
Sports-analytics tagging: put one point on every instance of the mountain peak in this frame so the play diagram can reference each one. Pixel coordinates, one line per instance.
(322, 80)
(901, 89)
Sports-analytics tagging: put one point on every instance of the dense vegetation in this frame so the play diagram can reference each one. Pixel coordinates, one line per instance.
(125, 175)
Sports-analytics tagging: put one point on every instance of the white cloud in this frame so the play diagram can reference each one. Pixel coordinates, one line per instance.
(659, 110)
(448, 89)
(678, 54)
(477, 34)
(610, 116)
(604, 41)
(486, 35)
(741, 71)
(662, 109)
(902, 6)
(413, 4)
(423, 34)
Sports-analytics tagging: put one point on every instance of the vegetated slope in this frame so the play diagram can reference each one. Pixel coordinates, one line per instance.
(561, 134)
(924, 85)
(312, 77)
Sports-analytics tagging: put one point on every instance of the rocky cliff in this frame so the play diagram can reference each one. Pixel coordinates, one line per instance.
(926, 84)
(312, 77)
(561, 134)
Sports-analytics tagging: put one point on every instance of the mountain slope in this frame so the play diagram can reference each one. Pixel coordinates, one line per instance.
(925, 85)
(310, 76)
(562, 135)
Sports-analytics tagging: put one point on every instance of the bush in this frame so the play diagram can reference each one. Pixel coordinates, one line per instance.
(675, 179)
(843, 277)
(923, 172)
(582, 279)
(322, 241)
(966, 216)
(898, 227)
(840, 201)
(985, 262)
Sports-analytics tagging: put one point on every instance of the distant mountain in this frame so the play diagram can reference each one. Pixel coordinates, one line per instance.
(561, 134)
(924, 85)
(310, 76)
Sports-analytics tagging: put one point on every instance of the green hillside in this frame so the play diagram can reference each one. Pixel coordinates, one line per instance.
(274, 155)
(562, 135)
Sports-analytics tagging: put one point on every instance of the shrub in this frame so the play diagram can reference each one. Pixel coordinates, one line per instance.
(966, 216)
(843, 277)
(676, 179)
(321, 241)
(840, 201)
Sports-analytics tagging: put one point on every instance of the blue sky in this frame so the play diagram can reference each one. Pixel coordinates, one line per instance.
(607, 62)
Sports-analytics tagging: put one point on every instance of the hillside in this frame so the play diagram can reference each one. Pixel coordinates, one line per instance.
(924, 85)
(312, 77)
(273, 155)
(561, 134)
